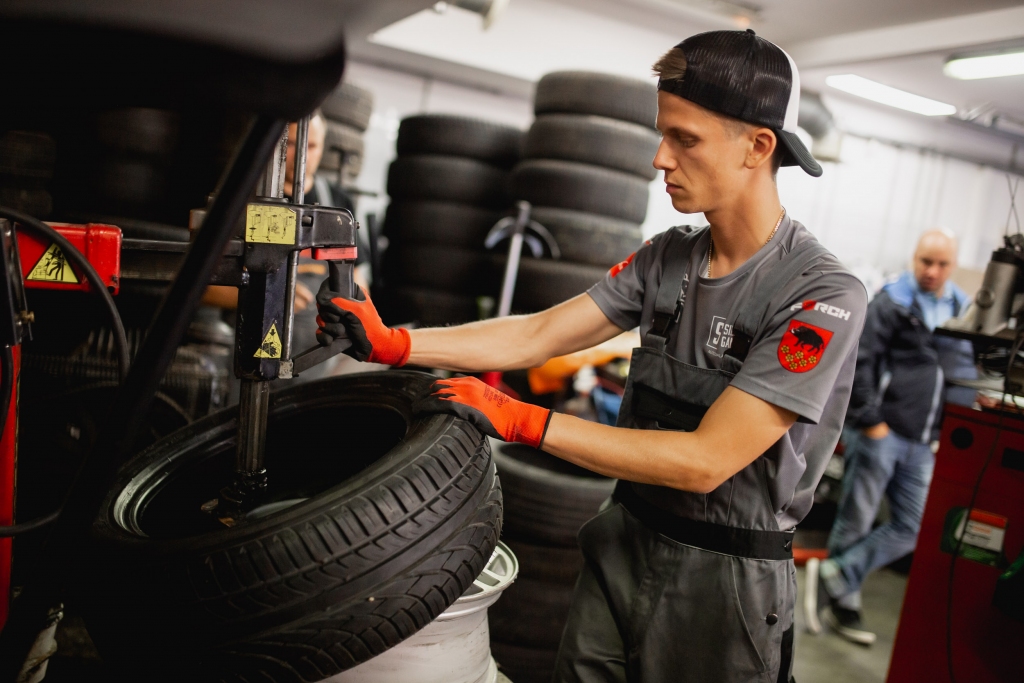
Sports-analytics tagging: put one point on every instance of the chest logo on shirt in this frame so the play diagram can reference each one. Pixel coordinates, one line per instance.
(719, 337)
(802, 346)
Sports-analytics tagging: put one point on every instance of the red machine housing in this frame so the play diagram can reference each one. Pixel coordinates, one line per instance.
(986, 644)
(44, 269)
(8, 464)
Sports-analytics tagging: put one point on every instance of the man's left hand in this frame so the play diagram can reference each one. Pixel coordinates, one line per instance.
(491, 411)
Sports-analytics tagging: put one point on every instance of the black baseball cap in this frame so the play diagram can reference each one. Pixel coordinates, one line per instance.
(740, 74)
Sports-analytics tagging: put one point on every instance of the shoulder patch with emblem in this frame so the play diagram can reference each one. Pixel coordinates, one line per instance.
(619, 267)
(802, 346)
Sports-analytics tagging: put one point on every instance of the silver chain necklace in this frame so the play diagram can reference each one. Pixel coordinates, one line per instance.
(711, 242)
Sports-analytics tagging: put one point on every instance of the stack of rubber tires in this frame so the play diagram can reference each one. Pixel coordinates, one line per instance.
(586, 169)
(448, 187)
(347, 113)
(26, 166)
(546, 501)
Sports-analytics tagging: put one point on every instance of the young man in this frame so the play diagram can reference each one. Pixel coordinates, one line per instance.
(894, 416)
(733, 404)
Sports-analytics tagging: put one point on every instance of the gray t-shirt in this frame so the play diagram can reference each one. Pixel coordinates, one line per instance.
(802, 359)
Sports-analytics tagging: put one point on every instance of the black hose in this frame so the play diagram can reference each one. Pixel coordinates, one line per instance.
(72, 254)
(31, 525)
(60, 557)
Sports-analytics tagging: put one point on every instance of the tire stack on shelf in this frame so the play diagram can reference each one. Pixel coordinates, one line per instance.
(27, 160)
(586, 171)
(347, 114)
(547, 500)
(448, 187)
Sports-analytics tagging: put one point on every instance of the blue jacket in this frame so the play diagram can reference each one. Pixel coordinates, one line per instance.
(902, 367)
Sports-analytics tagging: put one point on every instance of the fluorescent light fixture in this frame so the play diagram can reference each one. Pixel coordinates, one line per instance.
(985, 66)
(893, 97)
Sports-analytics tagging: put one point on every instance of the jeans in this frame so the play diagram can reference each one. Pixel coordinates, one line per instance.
(902, 470)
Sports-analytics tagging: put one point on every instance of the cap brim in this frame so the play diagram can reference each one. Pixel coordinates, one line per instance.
(798, 154)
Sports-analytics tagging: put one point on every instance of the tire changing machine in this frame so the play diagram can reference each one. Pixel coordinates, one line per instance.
(252, 245)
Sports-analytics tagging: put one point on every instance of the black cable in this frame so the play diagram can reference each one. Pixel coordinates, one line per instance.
(970, 507)
(31, 525)
(72, 254)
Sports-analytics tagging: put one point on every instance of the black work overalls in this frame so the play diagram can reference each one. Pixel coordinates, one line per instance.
(665, 594)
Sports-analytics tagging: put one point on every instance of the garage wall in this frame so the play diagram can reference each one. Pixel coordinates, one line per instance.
(869, 209)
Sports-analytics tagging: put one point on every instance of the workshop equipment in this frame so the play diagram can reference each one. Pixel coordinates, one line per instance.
(275, 232)
(979, 466)
(519, 230)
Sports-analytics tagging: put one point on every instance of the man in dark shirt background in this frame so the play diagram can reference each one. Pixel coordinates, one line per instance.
(900, 386)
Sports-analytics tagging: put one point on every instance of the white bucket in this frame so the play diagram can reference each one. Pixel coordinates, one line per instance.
(455, 647)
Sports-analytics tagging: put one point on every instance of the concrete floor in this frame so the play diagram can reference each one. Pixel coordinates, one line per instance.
(827, 658)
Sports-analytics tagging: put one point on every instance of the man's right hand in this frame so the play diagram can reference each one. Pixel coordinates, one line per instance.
(878, 431)
(358, 320)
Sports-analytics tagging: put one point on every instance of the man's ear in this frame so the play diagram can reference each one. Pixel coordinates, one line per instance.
(763, 143)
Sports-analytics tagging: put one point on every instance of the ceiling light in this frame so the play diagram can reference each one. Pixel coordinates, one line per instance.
(985, 66)
(884, 94)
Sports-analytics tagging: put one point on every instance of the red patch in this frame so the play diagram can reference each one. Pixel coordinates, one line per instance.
(619, 267)
(802, 346)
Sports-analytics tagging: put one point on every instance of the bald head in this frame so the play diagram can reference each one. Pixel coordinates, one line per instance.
(934, 260)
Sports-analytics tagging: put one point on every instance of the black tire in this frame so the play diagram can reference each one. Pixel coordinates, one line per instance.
(131, 182)
(398, 515)
(525, 664)
(343, 149)
(581, 187)
(27, 154)
(139, 130)
(349, 104)
(456, 225)
(430, 307)
(460, 136)
(35, 202)
(542, 284)
(533, 611)
(547, 499)
(450, 269)
(583, 92)
(448, 179)
(589, 238)
(597, 140)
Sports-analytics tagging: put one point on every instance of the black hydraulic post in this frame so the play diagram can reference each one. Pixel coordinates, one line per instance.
(60, 556)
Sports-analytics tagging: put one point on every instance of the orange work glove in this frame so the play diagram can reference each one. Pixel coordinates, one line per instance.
(358, 321)
(491, 411)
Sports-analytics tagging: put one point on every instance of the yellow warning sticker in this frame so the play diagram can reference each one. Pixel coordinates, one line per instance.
(53, 267)
(271, 346)
(269, 224)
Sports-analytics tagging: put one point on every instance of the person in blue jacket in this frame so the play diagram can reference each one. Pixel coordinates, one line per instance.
(900, 385)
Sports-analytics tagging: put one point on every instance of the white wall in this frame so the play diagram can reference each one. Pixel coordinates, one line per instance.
(868, 208)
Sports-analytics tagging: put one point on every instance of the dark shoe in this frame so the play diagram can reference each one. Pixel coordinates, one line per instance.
(847, 623)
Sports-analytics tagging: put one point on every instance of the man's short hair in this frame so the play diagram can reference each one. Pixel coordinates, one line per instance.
(672, 66)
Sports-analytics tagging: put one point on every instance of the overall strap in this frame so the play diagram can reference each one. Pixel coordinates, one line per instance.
(789, 268)
(668, 304)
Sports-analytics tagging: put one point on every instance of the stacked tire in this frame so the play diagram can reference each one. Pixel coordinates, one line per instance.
(448, 187)
(27, 161)
(586, 169)
(347, 113)
(546, 501)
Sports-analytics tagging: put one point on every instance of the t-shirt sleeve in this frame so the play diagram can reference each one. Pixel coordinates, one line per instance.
(796, 362)
(620, 293)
